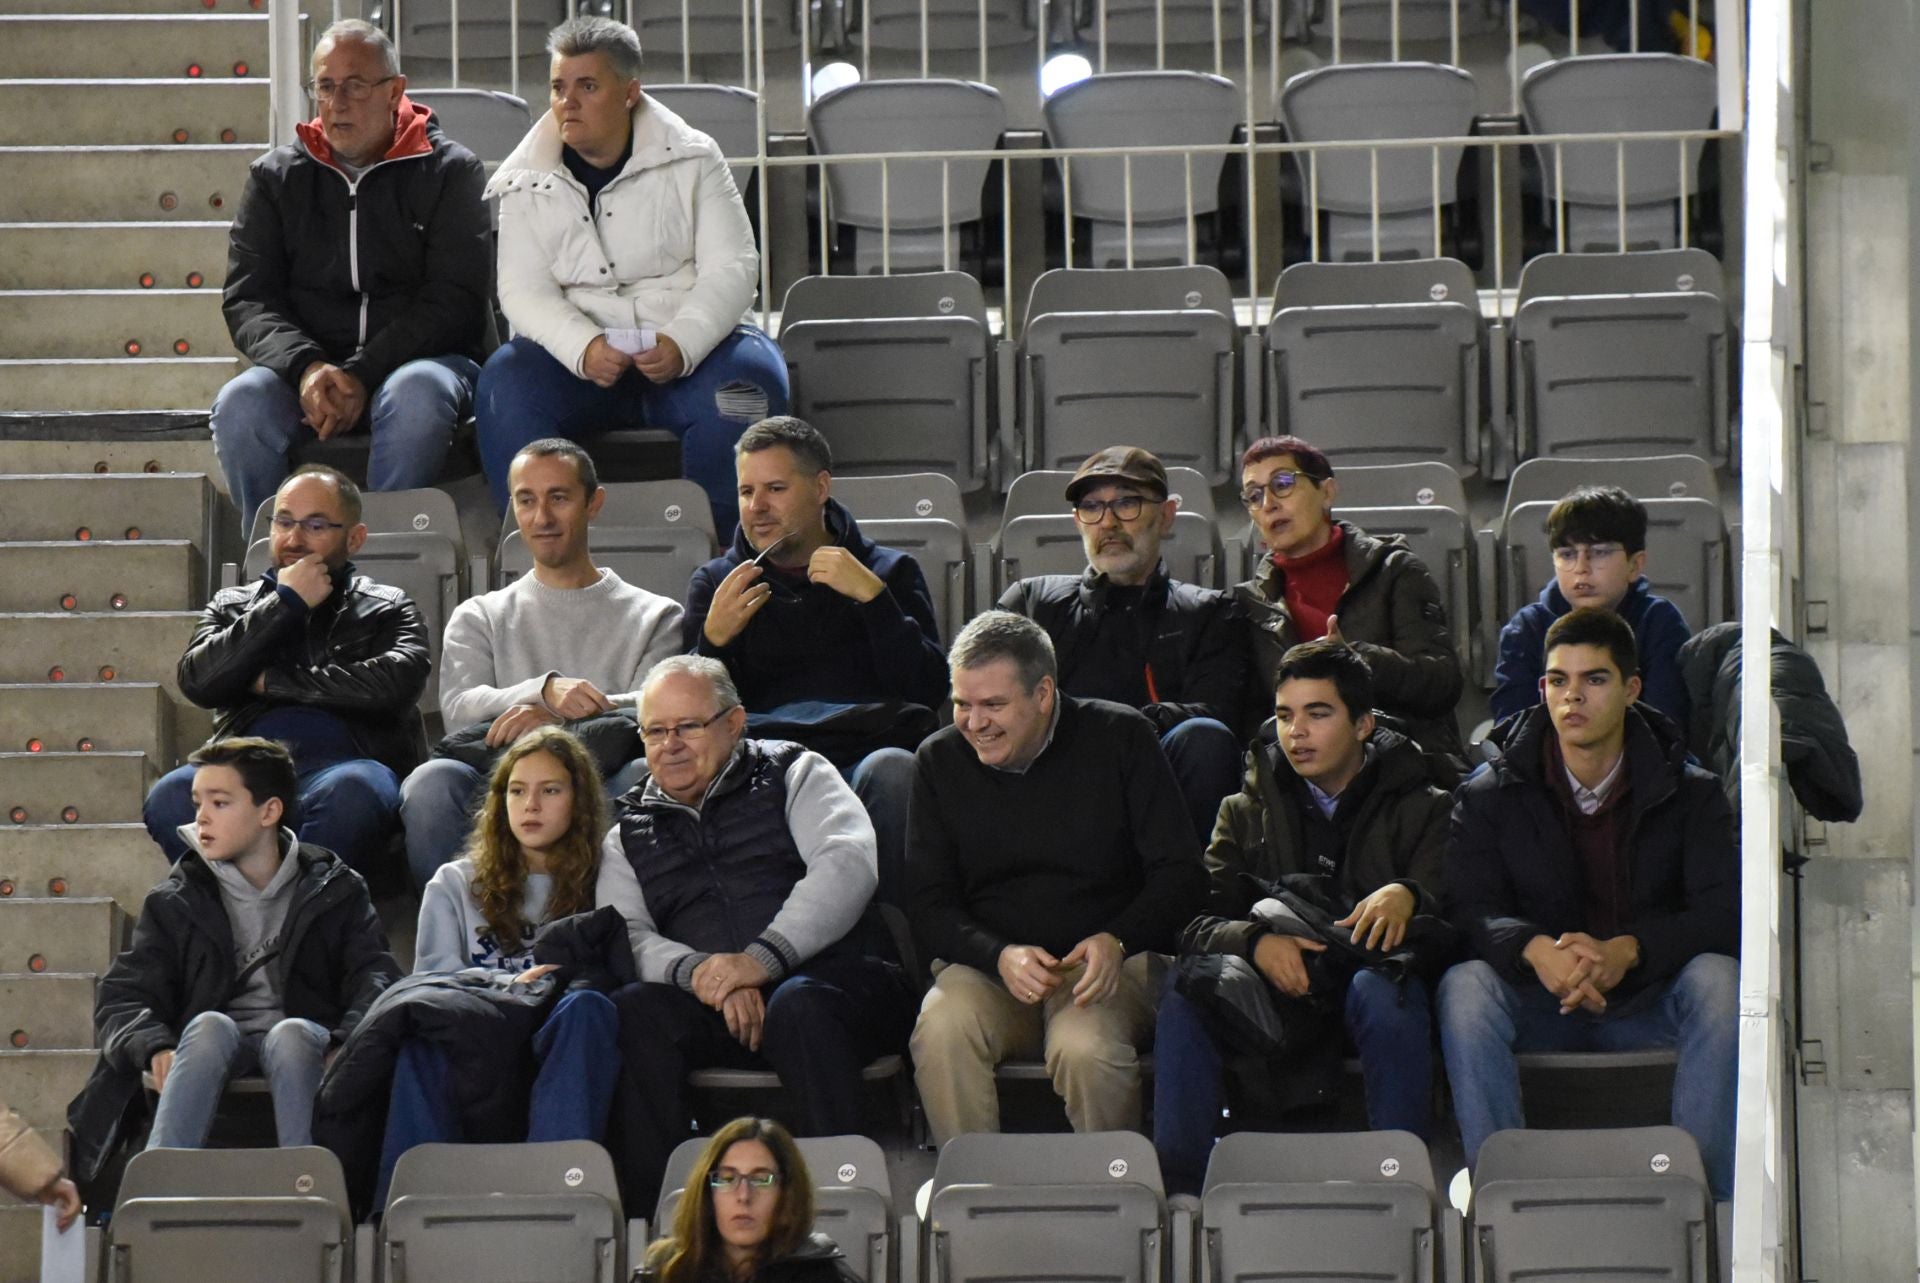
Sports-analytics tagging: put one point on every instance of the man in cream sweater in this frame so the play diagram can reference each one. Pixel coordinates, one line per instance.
(567, 641)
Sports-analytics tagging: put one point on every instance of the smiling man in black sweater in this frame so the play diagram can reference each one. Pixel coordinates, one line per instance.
(1049, 860)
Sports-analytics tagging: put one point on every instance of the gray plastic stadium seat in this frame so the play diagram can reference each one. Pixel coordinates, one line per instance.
(547, 1210)
(186, 1215)
(1644, 271)
(728, 114)
(1050, 545)
(486, 28)
(894, 371)
(945, 558)
(1372, 20)
(1687, 556)
(1156, 374)
(659, 559)
(1083, 1206)
(713, 27)
(424, 511)
(1341, 1205)
(1621, 93)
(1443, 540)
(487, 123)
(898, 116)
(1667, 476)
(1042, 493)
(926, 495)
(1379, 361)
(1379, 101)
(1578, 1205)
(671, 503)
(1401, 485)
(1143, 109)
(951, 24)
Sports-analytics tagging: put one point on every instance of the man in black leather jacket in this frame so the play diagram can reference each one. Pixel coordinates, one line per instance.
(320, 658)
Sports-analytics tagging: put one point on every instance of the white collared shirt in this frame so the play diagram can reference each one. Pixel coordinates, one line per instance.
(1592, 799)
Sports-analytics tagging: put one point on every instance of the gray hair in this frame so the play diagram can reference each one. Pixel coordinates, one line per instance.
(1001, 634)
(809, 448)
(359, 32)
(726, 695)
(577, 37)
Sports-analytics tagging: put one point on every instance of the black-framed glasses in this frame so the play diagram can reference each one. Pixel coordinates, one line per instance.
(718, 1181)
(1569, 554)
(315, 525)
(689, 732)
(352, 88)
(1279, 485)
(1091, 512)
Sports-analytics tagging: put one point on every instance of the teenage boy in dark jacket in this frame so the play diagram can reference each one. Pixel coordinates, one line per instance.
(1125, 631)
(320, 658)
(359, 281)
(1337, 798)
(1594, 871)
(1597, 536)
(258, 952)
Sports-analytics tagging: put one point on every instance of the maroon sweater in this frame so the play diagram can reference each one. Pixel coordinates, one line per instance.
(1597, 842)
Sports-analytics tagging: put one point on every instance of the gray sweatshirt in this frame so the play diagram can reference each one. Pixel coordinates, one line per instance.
(835, 838)
(257, 915)
(501, 647)
(453, 935)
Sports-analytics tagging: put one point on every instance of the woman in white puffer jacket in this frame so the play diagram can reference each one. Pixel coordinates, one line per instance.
(627, 268)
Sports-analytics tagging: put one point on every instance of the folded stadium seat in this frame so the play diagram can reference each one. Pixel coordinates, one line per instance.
(895, 371)
(1378, 363)
(1155, 24)
(424, 29)
(1043, 492)
(950, 25)
(186, 1215)
(1627, 1202)
(926, 495)
(1390, 486)
(1372, 21)
(548, 1210)
(1443, 540)
(945, 559)
(1621, 93)
(1323, 1206)
(1074, 1206)
(1386, 202)
(1141, 356)
(653, 534)
(711, 28)
(898, 209)
(1039, 536)
(487, 123)
(852, 1199)
(1687, 557)
(1142, 210)
(1614, 370)
(727, 114)
(1660, 476)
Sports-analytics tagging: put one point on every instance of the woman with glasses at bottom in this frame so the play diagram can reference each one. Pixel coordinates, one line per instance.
(746, 1216)
(1323, 577)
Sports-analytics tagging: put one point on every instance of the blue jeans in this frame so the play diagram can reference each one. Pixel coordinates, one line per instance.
(256, 421)
(1208, 763)
(883, 781)
(1390, 1024)
(525, 394)
(578, 1048)
(212, 1049)
(347, 807)
(1484, 1021)
(437, 802)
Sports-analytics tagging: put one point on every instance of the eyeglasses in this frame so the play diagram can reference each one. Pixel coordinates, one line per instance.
(354, 88)
(1279, 485)
(1091, 512)
(689, 732)
(1595, 554)
(315, 525)
(735, 1180)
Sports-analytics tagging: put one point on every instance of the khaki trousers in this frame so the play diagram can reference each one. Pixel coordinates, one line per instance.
(969, 1023)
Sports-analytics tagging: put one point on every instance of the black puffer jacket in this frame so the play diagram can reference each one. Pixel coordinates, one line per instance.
(1188, 637)
(818, 1260)
(361, 654)
(1512, 871)
(367, 275)
(1821, 765)
(1392, 614)
(333, 963)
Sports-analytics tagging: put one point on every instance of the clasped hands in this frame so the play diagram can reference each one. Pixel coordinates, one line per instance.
(1579, 970)
(1031, 974)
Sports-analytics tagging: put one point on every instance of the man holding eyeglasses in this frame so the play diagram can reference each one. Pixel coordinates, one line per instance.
(320, 658)
(1598, 539)
(1126, 631)
(359, 281)
(1323, 577)
(743, 867)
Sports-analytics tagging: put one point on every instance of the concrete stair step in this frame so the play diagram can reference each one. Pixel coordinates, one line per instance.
(46, 1012)
(19, 1242)
(93, 184)
(130, 383)
(50, 937)
(135, 454)
(107, 717)
(113, 323)
(151, 111)
(69, 788)
(81, 861)
(40, 1084)
(132, 647)
(142, 506)
(222, 46)
(177, 8)
(101, 575)
(99, 256)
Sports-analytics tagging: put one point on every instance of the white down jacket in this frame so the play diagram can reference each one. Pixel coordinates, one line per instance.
(671, 247)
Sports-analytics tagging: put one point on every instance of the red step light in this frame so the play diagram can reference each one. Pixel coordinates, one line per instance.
(38, 962)
(133, 532)
(57, 885)
(85, 745)
(168, 200)
(70, 814)
(146, 280)
(34, 746)
(151, 465)
(83, 534)
(133, 347)
(229, 136)
(56, 674)
(239, 68)
(68, 601)
(106, 672)
(6, 887)
(180, 135)
(18, 815)
(118, 601)
(19, 1038)
(181, 347)
(216, 200)
(100, 465)
(193, 69)
(194, 279)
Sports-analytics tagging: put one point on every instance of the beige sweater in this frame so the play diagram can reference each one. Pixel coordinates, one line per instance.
(27, 1165)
